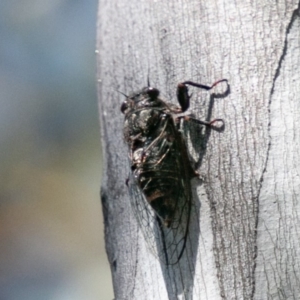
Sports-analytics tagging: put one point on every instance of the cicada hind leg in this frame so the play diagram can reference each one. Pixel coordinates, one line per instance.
(183, 98)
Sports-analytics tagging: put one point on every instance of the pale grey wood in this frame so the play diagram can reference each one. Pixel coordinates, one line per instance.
(278, 238)
(245, 217)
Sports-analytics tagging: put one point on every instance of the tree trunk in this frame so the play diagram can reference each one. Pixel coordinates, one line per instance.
(246, 212)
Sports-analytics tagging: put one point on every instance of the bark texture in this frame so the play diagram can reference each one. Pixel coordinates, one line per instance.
(246, 210)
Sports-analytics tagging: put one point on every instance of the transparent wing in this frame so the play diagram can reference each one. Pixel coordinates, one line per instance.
(166, 243)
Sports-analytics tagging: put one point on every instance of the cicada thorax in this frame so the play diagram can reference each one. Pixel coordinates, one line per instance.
(157, 161)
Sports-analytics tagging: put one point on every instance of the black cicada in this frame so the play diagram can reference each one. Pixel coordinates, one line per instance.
(159, 181)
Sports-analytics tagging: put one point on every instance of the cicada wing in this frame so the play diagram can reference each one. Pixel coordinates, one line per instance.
(144, 214)
(166, 243)
(174, 238)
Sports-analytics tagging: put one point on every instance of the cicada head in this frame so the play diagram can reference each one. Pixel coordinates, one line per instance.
(147, 97)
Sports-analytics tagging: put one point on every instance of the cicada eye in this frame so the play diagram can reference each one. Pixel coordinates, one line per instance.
(152, 92)
(124, 106)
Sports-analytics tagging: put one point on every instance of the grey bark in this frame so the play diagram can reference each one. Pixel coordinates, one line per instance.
(246, 209)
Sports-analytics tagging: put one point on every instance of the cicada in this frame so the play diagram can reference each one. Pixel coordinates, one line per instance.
(160, 170)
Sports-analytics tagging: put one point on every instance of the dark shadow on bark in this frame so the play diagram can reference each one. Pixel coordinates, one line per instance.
(179, 278)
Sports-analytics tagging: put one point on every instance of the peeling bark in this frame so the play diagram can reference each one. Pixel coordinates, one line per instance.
(245, 214)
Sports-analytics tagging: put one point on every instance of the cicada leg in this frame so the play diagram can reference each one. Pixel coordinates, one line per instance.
(188, 118)
(183, 96)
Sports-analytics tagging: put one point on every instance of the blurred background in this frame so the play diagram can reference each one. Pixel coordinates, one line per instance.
(51, 226)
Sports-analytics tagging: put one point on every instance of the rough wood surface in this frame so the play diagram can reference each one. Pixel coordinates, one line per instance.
(246, 209)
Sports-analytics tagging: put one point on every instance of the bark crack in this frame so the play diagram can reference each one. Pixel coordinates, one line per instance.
(296, 13)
